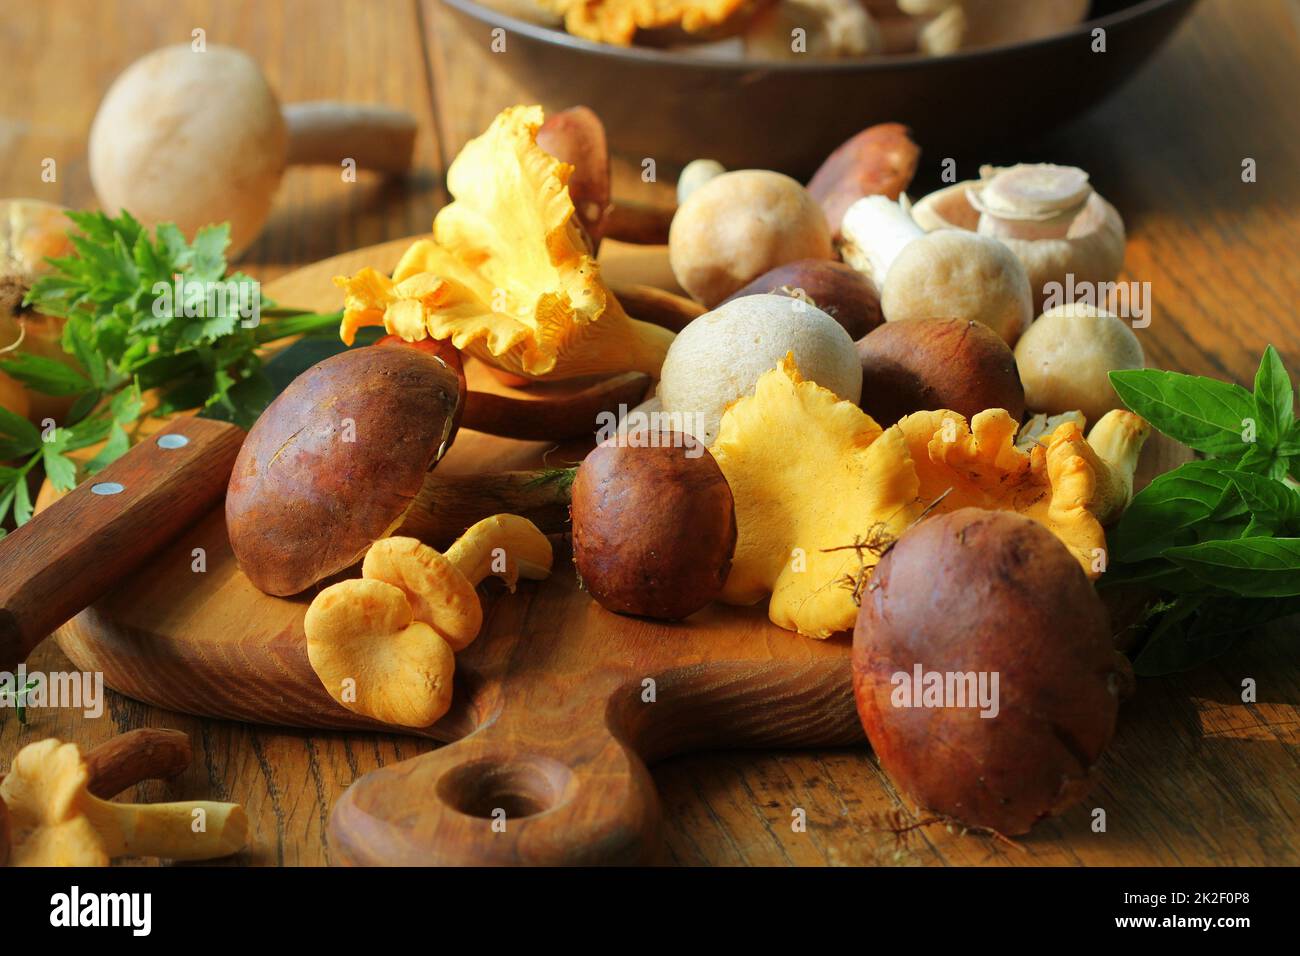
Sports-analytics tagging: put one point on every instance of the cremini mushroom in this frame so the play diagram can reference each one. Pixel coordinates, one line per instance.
(945, 274)
(54, 820)
(1062, 231)
(197, 136)
(383, 644)
(739, 225)
(1066, 357)
(718, 357)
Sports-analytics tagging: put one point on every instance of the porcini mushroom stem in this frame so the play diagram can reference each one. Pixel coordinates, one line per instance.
(449, 504)
(875, 230)
(172, 831)
(148, 753)
(506, 545)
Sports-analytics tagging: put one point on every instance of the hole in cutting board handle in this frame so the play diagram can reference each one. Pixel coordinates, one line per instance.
(523, 786)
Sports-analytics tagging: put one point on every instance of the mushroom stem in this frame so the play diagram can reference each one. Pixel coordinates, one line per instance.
(373, 137)
(1117, 439)
(448, 504)
(1030, 201)
(506, 545)
(144, 754)
(170, 831)
(875, 230)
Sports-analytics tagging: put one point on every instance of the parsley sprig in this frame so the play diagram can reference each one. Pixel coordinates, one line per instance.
(1218, 538)
(129, 337)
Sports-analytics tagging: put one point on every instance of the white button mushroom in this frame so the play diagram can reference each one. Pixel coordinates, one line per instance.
(719, 357)
(198, 137)
(946, 274)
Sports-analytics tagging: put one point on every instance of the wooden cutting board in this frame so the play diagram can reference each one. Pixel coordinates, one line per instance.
(559, 704)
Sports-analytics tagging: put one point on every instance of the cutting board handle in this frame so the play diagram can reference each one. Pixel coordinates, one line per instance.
(537, 793)
(98, 534)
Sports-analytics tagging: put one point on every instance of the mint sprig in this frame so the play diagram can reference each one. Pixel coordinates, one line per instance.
(1218, 537)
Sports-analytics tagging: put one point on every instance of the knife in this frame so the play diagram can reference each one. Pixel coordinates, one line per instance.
(108, 527)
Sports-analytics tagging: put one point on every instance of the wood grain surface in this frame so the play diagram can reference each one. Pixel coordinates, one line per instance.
(1193, 776)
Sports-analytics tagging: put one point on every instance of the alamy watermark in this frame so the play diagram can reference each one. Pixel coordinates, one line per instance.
(81, 690)
(659, 429)
(1124, 300)
(946, 689)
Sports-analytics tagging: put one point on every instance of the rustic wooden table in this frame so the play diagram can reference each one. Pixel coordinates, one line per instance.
(1222, 258)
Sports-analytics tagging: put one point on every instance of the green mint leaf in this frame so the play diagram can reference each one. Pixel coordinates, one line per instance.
(1272, 504)
(1167, 512)
(1210, 416)
(1259, 567)
(1274, 398)
(45, 374)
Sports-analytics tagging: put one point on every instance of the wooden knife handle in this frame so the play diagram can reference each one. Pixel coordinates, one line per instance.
(100, 533)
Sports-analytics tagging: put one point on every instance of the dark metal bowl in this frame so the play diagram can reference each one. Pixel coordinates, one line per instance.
(676, 107)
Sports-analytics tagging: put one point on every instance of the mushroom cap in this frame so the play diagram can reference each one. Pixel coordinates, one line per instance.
(959, 275)
(739, 225)
(191, 138)
(719, 356)
(839, 290)
(1066, 357)
(439, 595)
(363, 631)
(335, 461)
(1092, 250)
(45, 792)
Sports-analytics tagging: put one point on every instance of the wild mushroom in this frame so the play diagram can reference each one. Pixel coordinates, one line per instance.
(993, 597)
(843, 293)
(30, 232)
(1062, 483)
(739, 225)
(705, 371)
(654, 526)
(1066, 357)
(948, 273)
(695, 174)
(194, 137)
(919, 364)
(56, 821)
(383, 644)
(508, 275)
(623, 22)
(577, 136)
(831, 29)
(819, 492)
(335, 462)
(1064, 233)
(879, 161)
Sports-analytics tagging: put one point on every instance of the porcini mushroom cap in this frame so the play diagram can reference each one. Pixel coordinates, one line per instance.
(739, 225)
(718, 357)
(1066, 357)
(362, 638)
(191, 138)
(959, 275)
(335, 461)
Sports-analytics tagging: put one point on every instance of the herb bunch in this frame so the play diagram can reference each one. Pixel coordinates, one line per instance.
(1218, 538)
(129, 339)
